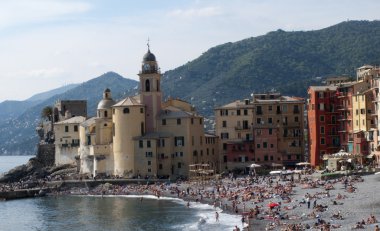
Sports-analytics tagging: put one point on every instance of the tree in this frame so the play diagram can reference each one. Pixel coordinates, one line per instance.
(47, 113)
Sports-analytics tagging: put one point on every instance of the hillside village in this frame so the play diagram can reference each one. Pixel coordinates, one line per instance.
(144, 136)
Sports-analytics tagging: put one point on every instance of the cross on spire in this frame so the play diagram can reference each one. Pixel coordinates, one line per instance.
(148, 44)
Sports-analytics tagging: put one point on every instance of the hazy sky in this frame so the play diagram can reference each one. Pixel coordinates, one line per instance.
(46, 44)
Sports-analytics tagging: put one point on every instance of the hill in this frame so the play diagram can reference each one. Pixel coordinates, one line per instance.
(287, 62)
(11, 109)
(18, 136)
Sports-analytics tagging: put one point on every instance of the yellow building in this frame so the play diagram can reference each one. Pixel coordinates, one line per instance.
(67, 140)
(142, 136)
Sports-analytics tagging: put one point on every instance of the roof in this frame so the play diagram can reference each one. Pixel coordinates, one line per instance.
(324, 88)
(73, 120)
(106, 103)
(88, 122)
(129, 101)
(174, 112)
(149, 57)
(236, 104)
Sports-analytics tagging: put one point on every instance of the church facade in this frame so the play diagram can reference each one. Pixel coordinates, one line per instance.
(143, 136)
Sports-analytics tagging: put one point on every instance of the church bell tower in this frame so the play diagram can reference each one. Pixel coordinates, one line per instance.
(150, 90)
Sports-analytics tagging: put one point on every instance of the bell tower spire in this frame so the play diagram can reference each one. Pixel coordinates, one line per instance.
(150, 89)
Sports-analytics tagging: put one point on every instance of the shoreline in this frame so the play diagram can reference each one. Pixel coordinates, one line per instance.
(249, 196)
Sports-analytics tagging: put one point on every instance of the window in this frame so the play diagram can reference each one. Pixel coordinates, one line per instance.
(148, 154)
(192, 120)
(259, 110)
(160, 166)
(126, 110)
(270, 120)
(192, 140)
(179, 165)
(147, 85)
(322, 129)
(195, 153)
(238, 112)
(224, 135)
(200, 121)
(148, 143)
(163, 121)
(141, 143)
(323, 141)
(178, 121)
(162, 142)
(224, 112)
(224, 146)
(179, 141)
(245, 112)
(320, 95)
(322, 118)
(362, 111)
(75, 128)
(296, 119)
(289, 157)
(270, 131)
(271, 145)
(66, 128)
(224, 123)
(265, 158)
(265, 145)
(258, 120)
(149, 162)
(141, 110)
(270, 108)
(258, 146)
(149, 170)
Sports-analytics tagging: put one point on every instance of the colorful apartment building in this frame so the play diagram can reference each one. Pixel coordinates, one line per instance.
(266, 130)
(349, 108)
(323, 114)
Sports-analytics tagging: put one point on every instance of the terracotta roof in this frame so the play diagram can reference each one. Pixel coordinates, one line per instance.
(73, 120)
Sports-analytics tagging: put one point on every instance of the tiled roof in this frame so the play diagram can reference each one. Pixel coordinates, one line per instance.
(73, 120)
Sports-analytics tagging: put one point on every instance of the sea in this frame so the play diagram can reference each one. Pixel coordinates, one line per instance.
(107, 213)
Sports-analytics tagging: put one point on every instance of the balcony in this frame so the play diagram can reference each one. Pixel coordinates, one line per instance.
(238, 128)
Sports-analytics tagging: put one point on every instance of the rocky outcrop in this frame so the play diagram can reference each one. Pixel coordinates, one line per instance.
(35, 170)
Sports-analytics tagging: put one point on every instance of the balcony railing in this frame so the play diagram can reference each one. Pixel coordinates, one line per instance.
(242, 127)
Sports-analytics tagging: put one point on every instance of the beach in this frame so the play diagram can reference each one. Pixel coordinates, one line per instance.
(269, 202)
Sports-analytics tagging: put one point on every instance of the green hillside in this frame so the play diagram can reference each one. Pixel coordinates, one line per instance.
(287, 62)
(18, 136)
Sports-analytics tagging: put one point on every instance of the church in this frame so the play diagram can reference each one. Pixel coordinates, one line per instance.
(141, 136)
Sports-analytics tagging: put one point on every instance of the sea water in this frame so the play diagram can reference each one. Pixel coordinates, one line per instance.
(109, 213)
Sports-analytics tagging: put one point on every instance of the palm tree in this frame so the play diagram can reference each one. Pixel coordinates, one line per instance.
(47, 113)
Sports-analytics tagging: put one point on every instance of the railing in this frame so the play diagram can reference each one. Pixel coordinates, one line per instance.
(242, 127)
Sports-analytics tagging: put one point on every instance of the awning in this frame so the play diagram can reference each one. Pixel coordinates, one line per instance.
(370, 156)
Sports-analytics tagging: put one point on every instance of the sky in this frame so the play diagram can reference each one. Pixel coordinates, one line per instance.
(46, 44)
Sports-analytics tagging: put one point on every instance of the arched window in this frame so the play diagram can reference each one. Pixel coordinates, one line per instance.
(105, 114)
(158, 85)
(147, 85)
(126, 110)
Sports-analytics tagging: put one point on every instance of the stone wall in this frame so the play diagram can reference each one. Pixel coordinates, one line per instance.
(46, 154)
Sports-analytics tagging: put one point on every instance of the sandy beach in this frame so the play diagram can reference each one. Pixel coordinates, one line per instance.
(352, 199)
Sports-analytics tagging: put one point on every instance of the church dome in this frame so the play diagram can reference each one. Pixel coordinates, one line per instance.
(149, 57)
(106, 103)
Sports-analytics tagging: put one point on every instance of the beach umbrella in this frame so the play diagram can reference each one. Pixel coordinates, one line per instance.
(254, 166)
(273, 204)
(303, 163)
(275, 172)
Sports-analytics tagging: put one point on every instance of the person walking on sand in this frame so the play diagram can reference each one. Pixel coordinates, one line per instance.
(308, 201)
(216, 216)
(377, 228)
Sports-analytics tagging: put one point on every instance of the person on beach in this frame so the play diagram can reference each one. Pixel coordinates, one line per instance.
(216, 216)
(308, 201)
(377, 228)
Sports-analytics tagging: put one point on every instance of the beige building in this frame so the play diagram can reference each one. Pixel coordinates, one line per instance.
(266, 130)
(142, 136)
(67, 140)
